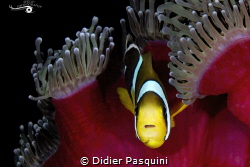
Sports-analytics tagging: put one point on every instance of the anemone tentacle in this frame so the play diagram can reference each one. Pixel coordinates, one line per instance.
(79, 62)
(61, 74)
(143, 23)
(42, 139)
(201, 30)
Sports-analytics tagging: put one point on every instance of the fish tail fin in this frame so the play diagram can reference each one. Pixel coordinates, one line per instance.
(125, 99)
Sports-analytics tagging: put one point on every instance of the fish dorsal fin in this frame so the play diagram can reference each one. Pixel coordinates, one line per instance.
(176, 110)
(125, 99)
(132, 61)
(147, 60)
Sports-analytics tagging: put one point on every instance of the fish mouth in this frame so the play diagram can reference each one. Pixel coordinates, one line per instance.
(149, 126)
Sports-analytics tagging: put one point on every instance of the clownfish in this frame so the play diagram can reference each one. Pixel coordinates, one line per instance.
(145, 97)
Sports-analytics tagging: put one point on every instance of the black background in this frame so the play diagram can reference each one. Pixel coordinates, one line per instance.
(53, 22)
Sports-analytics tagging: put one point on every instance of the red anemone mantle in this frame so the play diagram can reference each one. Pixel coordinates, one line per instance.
(93, 123)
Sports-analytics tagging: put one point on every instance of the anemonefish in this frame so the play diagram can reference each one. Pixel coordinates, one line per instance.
(145, 97)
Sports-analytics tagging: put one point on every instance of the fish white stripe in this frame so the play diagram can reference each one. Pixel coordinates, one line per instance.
(156, 87)
(138, 66)
(136, 129)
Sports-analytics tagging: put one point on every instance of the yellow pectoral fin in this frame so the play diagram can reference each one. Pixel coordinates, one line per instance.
(125, 99)
(172, 121)
(176, 110)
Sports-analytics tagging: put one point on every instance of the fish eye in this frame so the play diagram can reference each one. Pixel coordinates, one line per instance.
(164, 113)
(136, 111)
(164, 110)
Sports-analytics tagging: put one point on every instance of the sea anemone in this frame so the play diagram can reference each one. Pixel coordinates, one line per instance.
(93, 125)
(64, 73)
(42, 139)
(77, 64)
(210, 50)
(144, 23)
(146, 31)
